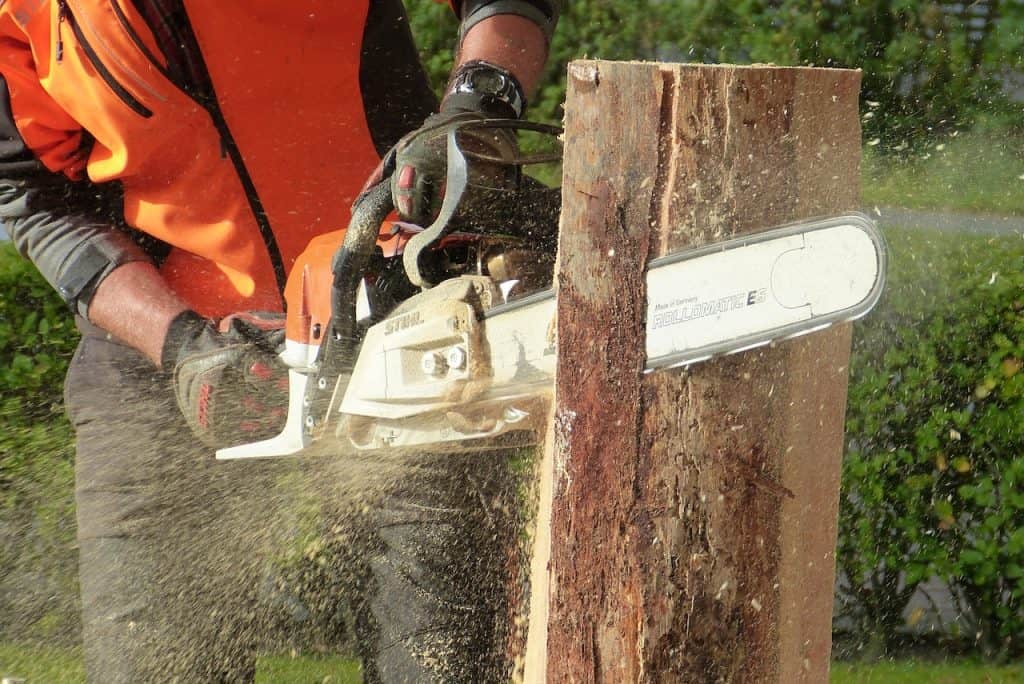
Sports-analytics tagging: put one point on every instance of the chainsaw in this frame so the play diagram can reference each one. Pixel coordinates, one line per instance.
(405, 337)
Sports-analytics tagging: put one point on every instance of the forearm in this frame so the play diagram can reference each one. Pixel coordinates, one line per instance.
(95, 266)
(510, 41)
(135, 305)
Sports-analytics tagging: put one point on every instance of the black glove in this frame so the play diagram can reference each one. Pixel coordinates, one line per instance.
(228, 380)
(478, 91)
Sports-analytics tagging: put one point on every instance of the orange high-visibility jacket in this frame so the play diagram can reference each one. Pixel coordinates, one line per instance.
(237, 129)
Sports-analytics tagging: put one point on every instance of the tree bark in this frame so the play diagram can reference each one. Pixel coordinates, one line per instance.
(692, 512)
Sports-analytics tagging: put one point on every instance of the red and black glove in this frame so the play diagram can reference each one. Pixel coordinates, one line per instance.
(230, 384)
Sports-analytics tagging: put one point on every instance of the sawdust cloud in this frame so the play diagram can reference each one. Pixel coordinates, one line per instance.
(274, 556)
(259, 556)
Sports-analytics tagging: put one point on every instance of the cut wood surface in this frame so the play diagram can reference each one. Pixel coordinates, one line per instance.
(692, 512)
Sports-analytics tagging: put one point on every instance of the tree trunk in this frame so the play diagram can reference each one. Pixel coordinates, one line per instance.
(691, 513)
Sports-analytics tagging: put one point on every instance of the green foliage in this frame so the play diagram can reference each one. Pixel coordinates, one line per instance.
(37, 339)
(436, 32)
(934, 462)
(922, 67)
(37, 521)
(37, 335)
(919, 60)
(600, 29)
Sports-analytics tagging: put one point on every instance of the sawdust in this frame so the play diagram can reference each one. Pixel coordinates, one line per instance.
(391, 556)
(283, 555)
(236, 565)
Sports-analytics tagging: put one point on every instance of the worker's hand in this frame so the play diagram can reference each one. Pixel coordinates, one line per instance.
(228, 380)
(479, 91)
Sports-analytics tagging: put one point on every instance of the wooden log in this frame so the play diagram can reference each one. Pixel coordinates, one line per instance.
(693, 512)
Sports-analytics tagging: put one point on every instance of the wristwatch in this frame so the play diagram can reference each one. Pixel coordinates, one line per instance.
(482, 86)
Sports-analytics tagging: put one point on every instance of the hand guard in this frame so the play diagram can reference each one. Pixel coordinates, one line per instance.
(420, 158)
(230, 384)
(418, 183)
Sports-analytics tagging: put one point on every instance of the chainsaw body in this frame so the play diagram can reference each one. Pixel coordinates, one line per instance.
(444, 337)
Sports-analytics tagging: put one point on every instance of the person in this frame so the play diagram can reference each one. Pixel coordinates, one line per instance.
(163, 163)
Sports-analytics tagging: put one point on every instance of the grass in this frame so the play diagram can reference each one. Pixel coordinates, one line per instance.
(928, 269)
(64, 666)
(303, 669)
(43, 665)
(913, 672)
(927, 272)
(932, 262)
(981, 171)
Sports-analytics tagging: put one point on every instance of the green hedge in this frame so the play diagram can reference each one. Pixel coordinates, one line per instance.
(934, 472)
(38, 578)
(924, 73)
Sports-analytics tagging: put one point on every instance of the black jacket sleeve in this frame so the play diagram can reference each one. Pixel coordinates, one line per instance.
(396, 91)
(544, 13)
(73, 231)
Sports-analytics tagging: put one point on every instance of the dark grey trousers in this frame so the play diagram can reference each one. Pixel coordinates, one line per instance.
(173, 546)
(437, 602)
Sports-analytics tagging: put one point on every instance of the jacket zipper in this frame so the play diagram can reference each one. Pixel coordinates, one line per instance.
(65, 15)
(62, 12)
(229, 145)
(135, 38)
(204, 94)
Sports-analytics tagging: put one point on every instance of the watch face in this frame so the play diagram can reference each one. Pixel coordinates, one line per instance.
(487, 81)
(489, 88)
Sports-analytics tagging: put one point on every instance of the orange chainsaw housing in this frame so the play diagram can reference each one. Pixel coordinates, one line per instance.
(308, 291)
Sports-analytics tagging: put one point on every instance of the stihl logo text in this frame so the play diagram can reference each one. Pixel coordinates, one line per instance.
(683, 310)
(403, 322)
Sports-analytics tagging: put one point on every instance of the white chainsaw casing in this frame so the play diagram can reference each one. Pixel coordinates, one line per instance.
(404, 364)
(429, 373)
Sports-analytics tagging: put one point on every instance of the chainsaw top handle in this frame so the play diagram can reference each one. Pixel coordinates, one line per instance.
(337, 354)
(460, 184)
(354, 257)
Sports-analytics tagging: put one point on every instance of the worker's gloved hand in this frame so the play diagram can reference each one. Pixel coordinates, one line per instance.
(229, 382)
(478, 91)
